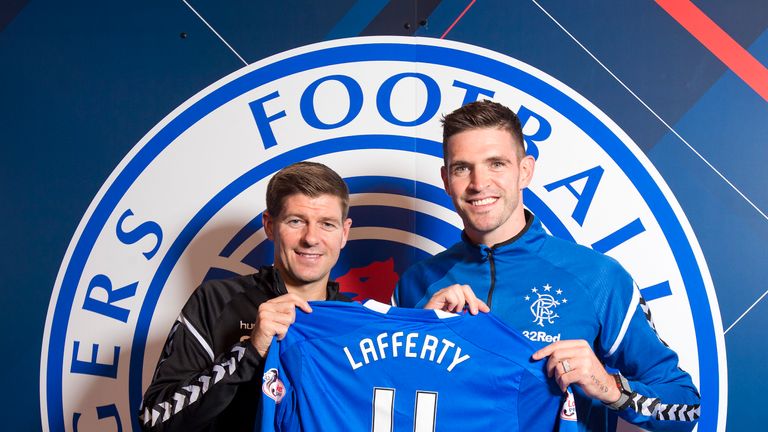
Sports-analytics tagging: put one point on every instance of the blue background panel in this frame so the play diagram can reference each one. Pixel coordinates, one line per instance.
(82, 82)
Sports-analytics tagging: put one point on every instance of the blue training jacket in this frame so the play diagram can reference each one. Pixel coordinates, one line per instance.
(551, 289)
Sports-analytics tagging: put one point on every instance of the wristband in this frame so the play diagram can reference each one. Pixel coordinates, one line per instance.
(625, 393)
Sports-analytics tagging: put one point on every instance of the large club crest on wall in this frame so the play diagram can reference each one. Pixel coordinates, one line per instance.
(185, 206)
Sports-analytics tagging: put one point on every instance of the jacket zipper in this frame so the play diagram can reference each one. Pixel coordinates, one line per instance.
(493, 277)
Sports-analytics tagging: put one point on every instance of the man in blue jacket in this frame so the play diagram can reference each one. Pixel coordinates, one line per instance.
(580, 307)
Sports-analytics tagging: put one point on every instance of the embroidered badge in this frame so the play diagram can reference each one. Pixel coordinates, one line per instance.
(543, 308)
(272, 385)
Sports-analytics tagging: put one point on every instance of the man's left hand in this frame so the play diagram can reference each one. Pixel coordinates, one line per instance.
(574, 362)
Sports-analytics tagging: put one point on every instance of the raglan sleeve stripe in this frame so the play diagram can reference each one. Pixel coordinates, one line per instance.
(200, 339)
(627, 319)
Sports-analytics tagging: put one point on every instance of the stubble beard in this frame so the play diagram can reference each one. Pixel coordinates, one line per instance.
(484, 223)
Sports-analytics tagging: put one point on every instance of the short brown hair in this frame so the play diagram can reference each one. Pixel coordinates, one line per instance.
(480, 115)
(307, 178)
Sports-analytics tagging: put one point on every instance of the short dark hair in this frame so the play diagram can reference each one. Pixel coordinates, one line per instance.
(307, 178)
(480, 115)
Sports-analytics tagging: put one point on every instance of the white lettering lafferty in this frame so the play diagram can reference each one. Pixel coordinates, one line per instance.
(426, 347)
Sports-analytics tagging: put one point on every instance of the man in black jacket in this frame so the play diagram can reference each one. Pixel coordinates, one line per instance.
(209, 374)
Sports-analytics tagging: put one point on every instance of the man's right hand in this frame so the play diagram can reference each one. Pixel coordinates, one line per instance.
(454, 298)
(274, 318)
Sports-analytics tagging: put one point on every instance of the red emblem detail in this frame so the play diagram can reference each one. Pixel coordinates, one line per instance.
(375, 281)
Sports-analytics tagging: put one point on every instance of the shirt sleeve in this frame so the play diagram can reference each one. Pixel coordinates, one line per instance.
(191, 387)
(413, 288)
(400, 296)
(664, 396)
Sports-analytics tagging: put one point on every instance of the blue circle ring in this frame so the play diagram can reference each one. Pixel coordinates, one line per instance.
(444, 56)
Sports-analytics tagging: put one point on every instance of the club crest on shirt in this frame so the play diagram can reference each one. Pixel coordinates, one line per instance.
(544, 304)
(272, 386)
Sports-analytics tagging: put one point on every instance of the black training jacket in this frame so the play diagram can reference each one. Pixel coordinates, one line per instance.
(208, 377)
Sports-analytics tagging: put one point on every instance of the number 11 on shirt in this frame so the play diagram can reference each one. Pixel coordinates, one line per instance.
(384, 409)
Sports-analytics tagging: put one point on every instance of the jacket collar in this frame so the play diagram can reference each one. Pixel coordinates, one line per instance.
(275, 284)
(531, 232)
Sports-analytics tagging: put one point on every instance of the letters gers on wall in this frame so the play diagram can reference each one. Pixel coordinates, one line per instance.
(185, 204)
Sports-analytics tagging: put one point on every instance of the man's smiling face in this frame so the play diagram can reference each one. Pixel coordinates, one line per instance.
(485, 175)
(309, 234)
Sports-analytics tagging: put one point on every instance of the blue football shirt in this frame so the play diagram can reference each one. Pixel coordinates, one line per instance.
(373, 367)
